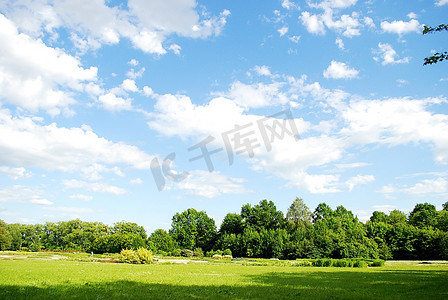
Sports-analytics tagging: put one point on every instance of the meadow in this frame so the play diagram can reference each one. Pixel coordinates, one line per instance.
(57, 276)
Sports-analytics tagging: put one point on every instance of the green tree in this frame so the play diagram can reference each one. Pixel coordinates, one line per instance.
(16, 236)
(378, 216)
(322, 211)
(129, 227)
(396, 217)
(262, 215)
(298, 214)
(193, 229)
(5, 237)
(436, 57)
(232, 223)
(162, 241)
(423, 215)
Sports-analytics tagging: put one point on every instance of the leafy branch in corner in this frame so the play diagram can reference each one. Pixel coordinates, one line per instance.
(436, 57)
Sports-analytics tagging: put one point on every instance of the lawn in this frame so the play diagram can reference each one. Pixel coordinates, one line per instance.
(49, 278)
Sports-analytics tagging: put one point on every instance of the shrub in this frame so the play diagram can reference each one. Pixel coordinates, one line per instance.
(227, 257)
(343, 263)
(378, 263)
(163, 253)
(219, 252)
(198, 252)
(144, 255)
(129, 256)
(176, 252)
(305, 263)
(186, 253)
(217, 256)
(227, 252)
(360, 264)
(327, 263)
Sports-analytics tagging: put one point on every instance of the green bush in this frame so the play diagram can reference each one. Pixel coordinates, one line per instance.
(227, 257)
(227, 252)
(217, 256)
(163, 253)
(176, 252)
(360, 264)
(198, 252)
(378, 263)
(186, 253)
(210, 253)
(342, 263)
(144, 255)
(128, 256)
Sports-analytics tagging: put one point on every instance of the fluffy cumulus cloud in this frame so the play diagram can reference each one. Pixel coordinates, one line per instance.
(22, 194)
(398, 122)
(357, 122)
(49, 147)
(401, 27)
(93, 23)
(339, 70)
(14, 173)
(347, 25)
(387, 55)
(32, 74)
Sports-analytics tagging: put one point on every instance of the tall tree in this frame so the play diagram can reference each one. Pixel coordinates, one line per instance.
(193, 229)
(423, 215)
(298, 214)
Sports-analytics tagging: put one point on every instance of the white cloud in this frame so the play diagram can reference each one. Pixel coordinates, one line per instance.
(426, 186)
(340, 43)
(412, 15)
(81, 197)
(401, 27)
(283, 30)
(134, 75)
(211, 184)
(398, 122)
(257, 95)
(313, 23)
(339, 70)
(93, 186)
(49, 147)
(337, 3)
(262, 70)
(429, 186)
(369, 22)
(388, 55)
(15, 173)
(31, 73)
(441, 2)
(93, 23)
(113, 103)
(359, 179)
(175, 48)
(41, 202)
(289, 5)
(133, 62)
(294, 38)
(129, 85)
(22, 194)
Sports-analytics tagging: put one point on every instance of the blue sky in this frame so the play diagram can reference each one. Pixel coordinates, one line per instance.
(95, 95)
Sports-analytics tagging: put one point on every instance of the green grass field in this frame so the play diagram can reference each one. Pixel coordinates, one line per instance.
(45, 277)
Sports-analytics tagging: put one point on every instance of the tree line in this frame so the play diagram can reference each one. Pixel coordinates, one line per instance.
(259, 230)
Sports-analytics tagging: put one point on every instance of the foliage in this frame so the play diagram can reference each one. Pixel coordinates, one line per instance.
(436, 57)
(193, 229)
(140, 256)
(162, 241)
(129, 256)
(187, 253)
